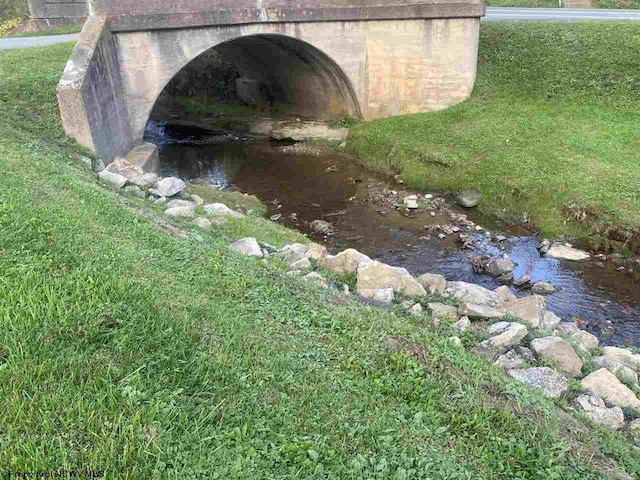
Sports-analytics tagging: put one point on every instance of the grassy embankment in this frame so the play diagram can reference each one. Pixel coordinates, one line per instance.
(551, 129)
(618, 4)
(126, 349)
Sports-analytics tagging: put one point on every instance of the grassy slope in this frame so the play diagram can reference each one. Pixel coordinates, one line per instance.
(553, 122)
(128, 350)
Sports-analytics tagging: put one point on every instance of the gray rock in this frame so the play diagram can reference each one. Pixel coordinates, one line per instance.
(135, 191)
(543, 288)
(498, 328)
(146, 180)
(302, 264)
(560, 352)
(505, 294)
(86, 164)
(316, 252)
(181, 203)
(247, 246)
(160, 201)
(595, 408)
(634, 428)
(318, 279)
(500, 343)
(123, 167)
(500, 266)
(221, 210)
(550, 320)
(462, 325)
(564, 252)
(168, 187)
(416, 310)
(468, 198)
(203, 223)
(519, 357)
(320, 226)
(477, 312)
(456, 341)
(344, 262)
(522, 281)
(505, 279)
(186, 212)
(586, 339)
(552, 383)
(440, 311)
(113, 180)
(433, 283)
(624, 356)
(376, 275)
(411, 202)
(98, 165)
(566, 329)
(294, 252)
(624, 373)
(379, 295)
(470, 293)
(606, 385)
(531, 310)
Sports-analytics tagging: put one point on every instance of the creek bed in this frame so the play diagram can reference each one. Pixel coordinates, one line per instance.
(299, 184)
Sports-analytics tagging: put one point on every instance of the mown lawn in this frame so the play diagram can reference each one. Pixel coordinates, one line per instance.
(128, 350)
(552, 128)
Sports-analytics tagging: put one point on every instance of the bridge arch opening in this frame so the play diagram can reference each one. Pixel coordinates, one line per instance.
(271, 73)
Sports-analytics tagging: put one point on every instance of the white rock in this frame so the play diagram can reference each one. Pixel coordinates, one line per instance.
(552, 383)
(186, 212)
(586, 339)
(220, 209)
(595, 408)
(475, 312)
(606, 385)
(247, 246)
(433, 283)
(203, 223)
(462, 325)
(380, 295)
(564, 252)
(411, 202)
(376, 275)
(113, 180)
(168, 187)
(470, 293)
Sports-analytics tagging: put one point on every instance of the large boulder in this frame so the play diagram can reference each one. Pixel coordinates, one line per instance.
(316, 252)
(564, 252)
(624, 373)
(247, 246)
(516, 358)
(505, 294)
(168, 187)
(595, 408)
(531, 310)
(433, 283)
(347, 261)
(479, 312)
(624, 356)
(606, 385)
(376, 275)
(320, 226)
(552, 383)
(470, 293)
(560, 352)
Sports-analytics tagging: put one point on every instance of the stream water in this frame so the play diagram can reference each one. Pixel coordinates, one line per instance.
(301, 184)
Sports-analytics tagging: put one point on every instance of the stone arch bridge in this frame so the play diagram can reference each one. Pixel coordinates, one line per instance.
(322, 58)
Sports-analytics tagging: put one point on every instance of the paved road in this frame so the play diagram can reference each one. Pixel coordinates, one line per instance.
(493, 13)
(24, 42)
(559, 14)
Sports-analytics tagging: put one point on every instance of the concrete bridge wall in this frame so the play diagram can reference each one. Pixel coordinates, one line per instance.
(348, 57)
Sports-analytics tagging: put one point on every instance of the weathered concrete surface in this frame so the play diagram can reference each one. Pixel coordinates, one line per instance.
(93, 103)
(64, 11)
(319, 59)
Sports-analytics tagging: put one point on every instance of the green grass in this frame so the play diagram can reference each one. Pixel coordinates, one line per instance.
(126, 349)
(551, 128)
(49, 31)
(524, 3)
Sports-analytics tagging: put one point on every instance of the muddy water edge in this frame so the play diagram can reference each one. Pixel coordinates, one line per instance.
(300, 183)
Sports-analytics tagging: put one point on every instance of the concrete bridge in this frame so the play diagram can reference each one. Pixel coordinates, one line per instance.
(320, 58)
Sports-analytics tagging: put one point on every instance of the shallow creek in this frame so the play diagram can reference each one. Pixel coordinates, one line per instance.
(301, 184)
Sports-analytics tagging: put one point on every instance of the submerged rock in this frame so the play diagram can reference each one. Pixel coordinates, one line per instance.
(468, 198)
(551, 382)
(498, 267)
(247, 246)
(320, 226)
(543, 288)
